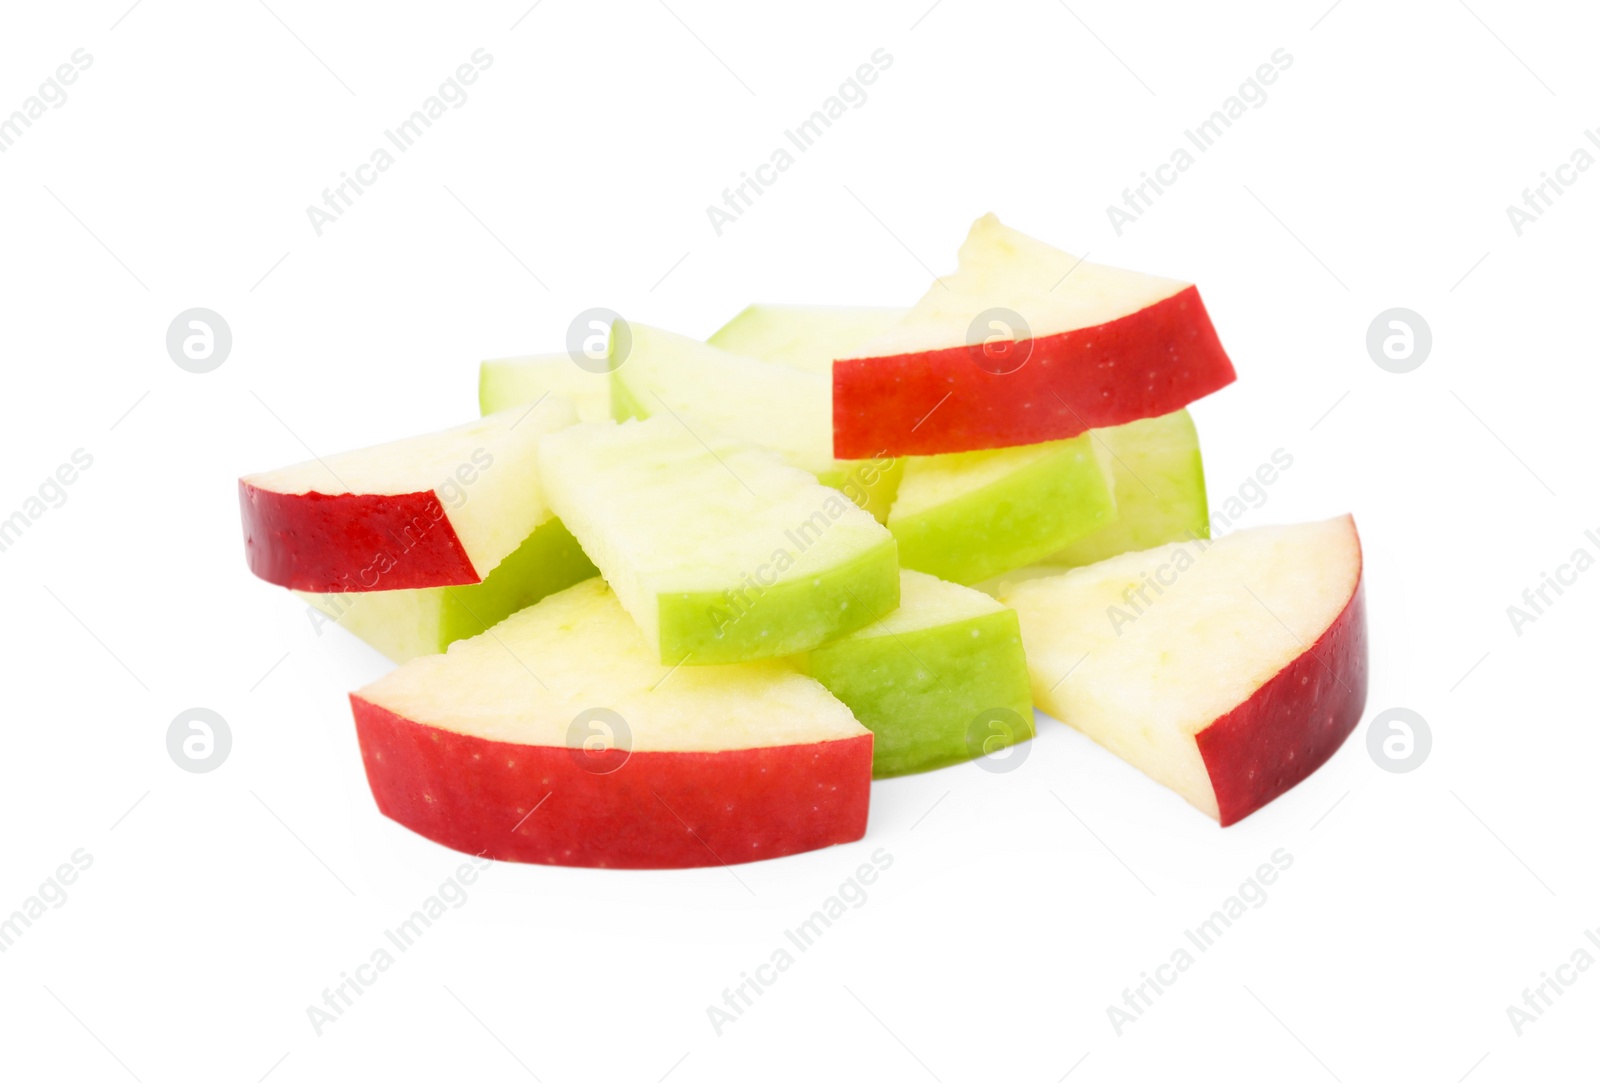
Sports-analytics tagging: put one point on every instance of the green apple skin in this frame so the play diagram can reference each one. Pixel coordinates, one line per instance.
(406, 624)
(923, 693)
(1015, 521)
(705, 627)
(1160, 487)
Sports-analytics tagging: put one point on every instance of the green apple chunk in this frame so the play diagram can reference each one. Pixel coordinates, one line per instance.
(1159, 485)
(806, 337)
(407, 624)
(776, 406)
(718, 549)
(976, 514)
(521, 381)
(940, 680)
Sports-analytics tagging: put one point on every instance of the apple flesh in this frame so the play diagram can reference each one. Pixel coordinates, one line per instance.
(974, 515)
(406, 624)
(443, 509)
(809, 337)
(1226, 670)
(1159, 485)
(941, 680)
(561, 740)
(775, 406)
(717, 548)
(522, 381)
(1095, 346)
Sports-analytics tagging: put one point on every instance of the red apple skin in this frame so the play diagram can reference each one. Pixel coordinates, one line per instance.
(1291, 725)
(352, 541)
(655, 810)
(1145, 364)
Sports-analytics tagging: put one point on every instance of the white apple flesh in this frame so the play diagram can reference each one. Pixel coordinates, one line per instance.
(1226, 670)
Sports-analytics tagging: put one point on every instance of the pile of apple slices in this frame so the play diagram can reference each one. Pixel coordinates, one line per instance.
(683, 610)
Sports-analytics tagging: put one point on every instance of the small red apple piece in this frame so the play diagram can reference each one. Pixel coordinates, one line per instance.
(1022, 345)
(438, 510)
(1228, 670)
(606, 758)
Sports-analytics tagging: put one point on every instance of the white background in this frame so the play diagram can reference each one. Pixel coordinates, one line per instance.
(1019, 905)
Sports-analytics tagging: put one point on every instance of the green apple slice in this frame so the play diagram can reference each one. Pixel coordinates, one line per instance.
(940, 680)
(786, 409)
(976, 514)
(719, 550)
(519, 381)
(1159, 485)
(805, 337)
(407, 624)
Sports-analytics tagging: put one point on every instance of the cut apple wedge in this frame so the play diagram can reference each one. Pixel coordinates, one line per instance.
(773, 406)
(521, 381)
(940, 680)
(974, 515)
(809, 337)
(1226, 670)
(1025, 344)
(438, 510)
(717, 548)
(406, 624)
(1159, 484)
(559, 739)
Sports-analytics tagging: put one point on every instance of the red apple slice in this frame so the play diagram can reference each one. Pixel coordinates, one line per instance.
(439, 510)
(1227, 670)
(1025, 344)
(557, 737)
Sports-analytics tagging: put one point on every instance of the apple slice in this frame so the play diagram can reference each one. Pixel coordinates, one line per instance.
(774, 406)
(438, 510)
(717, 548)
(974, 515)
(1227, 670)
(406, 624)
(522, 381)
(1159, 484)
(808, 337)
(1022, 345)
(559, 739)
(940, 680)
